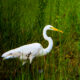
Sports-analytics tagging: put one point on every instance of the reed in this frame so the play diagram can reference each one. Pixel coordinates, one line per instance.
(22, 22)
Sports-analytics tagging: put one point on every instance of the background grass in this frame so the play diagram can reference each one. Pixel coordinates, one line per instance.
(22, 22)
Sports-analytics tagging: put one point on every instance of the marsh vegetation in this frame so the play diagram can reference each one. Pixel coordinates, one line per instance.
(22, 22)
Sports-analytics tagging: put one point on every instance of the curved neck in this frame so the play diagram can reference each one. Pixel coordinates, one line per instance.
(50, 41)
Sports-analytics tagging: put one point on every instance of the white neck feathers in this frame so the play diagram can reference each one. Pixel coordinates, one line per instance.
(50, 41)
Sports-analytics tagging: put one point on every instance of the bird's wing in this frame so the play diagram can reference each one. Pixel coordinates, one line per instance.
(23, 51)
(12, 54)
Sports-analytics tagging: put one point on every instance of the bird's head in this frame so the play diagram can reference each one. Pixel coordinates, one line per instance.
(49, 27)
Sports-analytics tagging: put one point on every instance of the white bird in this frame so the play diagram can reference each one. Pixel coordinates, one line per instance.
(33, 50)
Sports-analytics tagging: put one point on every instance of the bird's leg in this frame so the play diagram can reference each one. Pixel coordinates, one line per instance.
(31, 58)
(30, 71)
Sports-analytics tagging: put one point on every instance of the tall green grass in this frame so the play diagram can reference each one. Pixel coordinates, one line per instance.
(22, 22)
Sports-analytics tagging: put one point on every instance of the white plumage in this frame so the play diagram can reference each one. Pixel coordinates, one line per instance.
(33, 50)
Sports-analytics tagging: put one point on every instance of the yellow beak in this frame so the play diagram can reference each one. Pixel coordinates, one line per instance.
(55, 29)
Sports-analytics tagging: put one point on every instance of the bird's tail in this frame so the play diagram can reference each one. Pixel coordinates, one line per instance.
(11, 54)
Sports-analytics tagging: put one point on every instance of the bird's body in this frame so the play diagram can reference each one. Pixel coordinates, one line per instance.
(25, 52)
(31, 51)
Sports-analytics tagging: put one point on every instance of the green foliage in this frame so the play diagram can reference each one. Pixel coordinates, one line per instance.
(22, 22)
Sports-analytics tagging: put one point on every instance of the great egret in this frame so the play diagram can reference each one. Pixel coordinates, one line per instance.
(33, 50)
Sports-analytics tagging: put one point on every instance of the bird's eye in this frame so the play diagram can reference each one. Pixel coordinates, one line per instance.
(50, 27)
